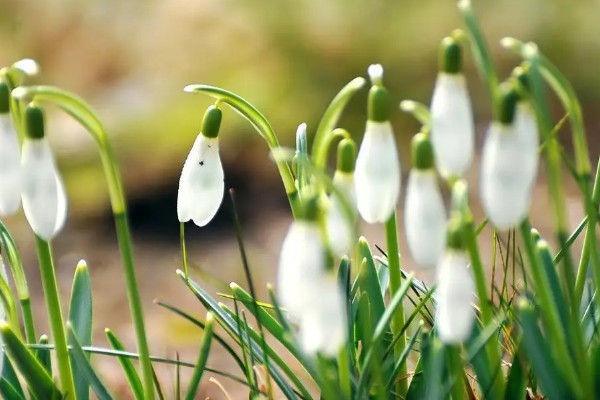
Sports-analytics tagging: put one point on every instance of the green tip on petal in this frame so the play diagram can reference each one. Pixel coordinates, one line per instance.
(508, 101)
(34, 122)
(211, 122)
(454, 234)
(379, 104)
(346, 155)
(422, 151)
(450, 60)
(4, 98)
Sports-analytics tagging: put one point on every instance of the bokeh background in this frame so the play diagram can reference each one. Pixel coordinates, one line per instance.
(131, 59)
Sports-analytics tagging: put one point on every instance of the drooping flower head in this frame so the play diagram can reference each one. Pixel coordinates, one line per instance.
(10, 157)
(340, 224)
(377, 173)
(452, 128)
(454, 314)
(505, 185)
(43, 195)
(424, 211)
(201, 186)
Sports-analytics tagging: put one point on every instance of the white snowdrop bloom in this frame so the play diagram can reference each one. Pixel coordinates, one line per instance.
(452, 127)
(201, 186)
(340, 225)
(27, 66)
(10, 158)
(424, 211)
(377, 174)
(301, 262)
(455, 314)
(323, 324)
(43, 194)
(528, 137)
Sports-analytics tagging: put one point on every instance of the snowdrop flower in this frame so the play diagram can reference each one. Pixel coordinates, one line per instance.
(201, 186)
(424, 212)
(454, 314)
(10, 158)
(505, 181)
(527, 130)
(323, 325)
(452, 130)
(302, 261)
(44, 198)
(377, 174)
(340, 225)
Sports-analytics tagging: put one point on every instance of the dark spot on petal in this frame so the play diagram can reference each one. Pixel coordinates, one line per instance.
(201, 163)
(210, 146)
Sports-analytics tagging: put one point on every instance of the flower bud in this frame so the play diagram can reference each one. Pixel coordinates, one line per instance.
(201, 186)
(44, 198)
(10, 158)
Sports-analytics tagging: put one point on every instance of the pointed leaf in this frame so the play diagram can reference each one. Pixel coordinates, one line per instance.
(202, 357)
(135, 384)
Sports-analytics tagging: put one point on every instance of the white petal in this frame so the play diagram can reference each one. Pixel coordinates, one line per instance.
(452, 131)
(201, 186)
(505, 190)
(377, 173)
(27, 66)
(44, 198)
(10, 167)
(528, 137)
(323, 326)
(455, 314)
(339, 227)
(375, 72)
(301, 262)
(424, 218)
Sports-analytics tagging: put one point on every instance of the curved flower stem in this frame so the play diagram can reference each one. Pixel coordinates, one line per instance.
(393, 254)
(57, 325)
(81, 111)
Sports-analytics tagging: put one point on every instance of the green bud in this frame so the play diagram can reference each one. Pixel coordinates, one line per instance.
(454, 234)
(521, 74)
(211, 122)
(346, 155)
(508, 102)
(535, 235)
(309, 210)
(450, 60)
(378, 108)
(422, 151)
(4, 98)
(34, 122)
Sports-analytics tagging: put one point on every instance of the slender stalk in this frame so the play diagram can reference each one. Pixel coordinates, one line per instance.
(28, 320)
(183, 249)
(391, 235)
(55, 316)
(457, 373)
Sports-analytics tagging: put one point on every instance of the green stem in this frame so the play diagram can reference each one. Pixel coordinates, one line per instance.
(457, 373)
(183, 249)
(393, 254)
(28, 320)
(55, 316)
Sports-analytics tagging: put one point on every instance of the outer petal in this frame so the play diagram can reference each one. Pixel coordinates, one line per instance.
(323, 327)
(425, 218)
(201, 185)
(455, 314)
(377, 173)
(339, 228)
(528, 137)
(44, 197)
(301, 262)
(505, 190)
(10, 167)
(452, 132)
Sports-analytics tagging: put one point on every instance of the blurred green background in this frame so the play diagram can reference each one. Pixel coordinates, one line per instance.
(131, 59)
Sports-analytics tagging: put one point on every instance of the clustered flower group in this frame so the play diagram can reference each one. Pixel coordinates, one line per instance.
(368, 183)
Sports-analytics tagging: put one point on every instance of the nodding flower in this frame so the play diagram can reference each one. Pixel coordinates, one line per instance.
(201, 186)
(323, 324)
(340, 223)
(302, 260)
(454, 314)
(10, 157)
(505, 181)
(377, 173)
(424, 212)
(452, 127)
(526, 129)
(43, 195)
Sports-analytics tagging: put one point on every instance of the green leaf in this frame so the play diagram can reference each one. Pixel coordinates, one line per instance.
(368, 281)
(9, 249)
(402, 359)
(9, 375)
(44, 355)
(202, 357)
(516, 386)
(81, 363)
(416, 390)
(35, 376)
(80, 316)
(9, 392)
(324, 134)
(135, 384)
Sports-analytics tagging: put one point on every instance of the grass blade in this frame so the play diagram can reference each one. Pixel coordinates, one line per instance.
(202, 357)
(135, 384)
